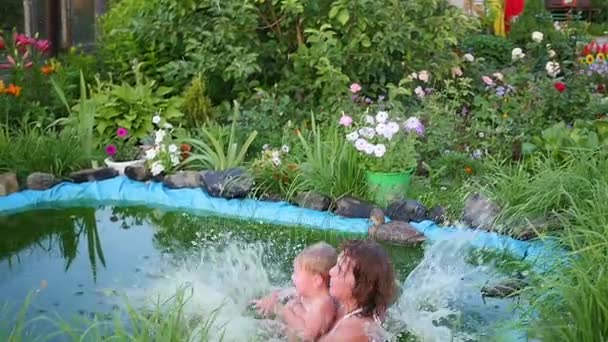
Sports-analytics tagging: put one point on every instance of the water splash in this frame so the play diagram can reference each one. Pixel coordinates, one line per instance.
(441, 299)
(223, 279)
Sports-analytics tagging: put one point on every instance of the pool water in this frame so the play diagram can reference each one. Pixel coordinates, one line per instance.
(81, 261)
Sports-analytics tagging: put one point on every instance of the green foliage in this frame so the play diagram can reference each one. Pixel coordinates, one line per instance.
(197, 105)
(558, 139)
(305, 52)
(32, 149)
(132, 107)
(213, 152)
(12, 15)
(495, 50)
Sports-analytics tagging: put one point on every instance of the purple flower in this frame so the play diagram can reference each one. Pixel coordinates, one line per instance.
(414, 125)
(381, 98)
(111, 149)
(122, 132)
(368, 100)
(354, 98)
(500, 91)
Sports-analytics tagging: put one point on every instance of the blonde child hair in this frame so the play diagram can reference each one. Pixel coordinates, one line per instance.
(318, 258)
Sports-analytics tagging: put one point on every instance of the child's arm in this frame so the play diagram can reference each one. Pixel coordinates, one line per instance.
(268, 305)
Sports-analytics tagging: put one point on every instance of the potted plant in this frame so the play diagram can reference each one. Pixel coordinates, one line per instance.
(163, 156)
(123, 152)
(387, 146)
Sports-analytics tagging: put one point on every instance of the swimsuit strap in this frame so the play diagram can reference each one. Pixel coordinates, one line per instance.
(348, 315)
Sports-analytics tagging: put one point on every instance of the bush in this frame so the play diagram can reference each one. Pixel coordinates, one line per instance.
(494, 49)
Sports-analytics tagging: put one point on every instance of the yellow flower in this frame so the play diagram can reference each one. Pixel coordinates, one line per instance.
(505, 116)
(601, 57)
(1, 87)
(590, 59)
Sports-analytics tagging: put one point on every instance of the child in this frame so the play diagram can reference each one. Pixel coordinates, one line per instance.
(310, 310)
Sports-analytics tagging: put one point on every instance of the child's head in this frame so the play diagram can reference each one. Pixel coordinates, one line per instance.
(311, 267)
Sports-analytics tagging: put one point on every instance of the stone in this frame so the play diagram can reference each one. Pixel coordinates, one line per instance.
(183, 179)
(394, 232)
(505, 288)
(312, 200)
(353, 207)
(480, 212)
(270, 197)
(41, 181)
(91, 175)
(138, 172)
(230, 183)
(528, 229)
(437, 214)
(406, 211)
(8, 183)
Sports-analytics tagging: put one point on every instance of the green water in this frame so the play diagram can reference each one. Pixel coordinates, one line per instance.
(78, 260)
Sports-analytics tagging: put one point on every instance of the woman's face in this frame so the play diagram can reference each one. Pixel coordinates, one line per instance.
(342, 279)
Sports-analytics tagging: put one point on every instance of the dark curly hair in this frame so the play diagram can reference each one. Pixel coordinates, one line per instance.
(375, 286)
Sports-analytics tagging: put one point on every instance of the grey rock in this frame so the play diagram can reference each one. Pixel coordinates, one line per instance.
(480, 212)
(407, 210)
(41, 181)
(183, 179)
(437, 214)
(312, 200)
(138, 172)
(8, 183)
(505, 288)
(230, 183)
(353, 207)
(91, 175)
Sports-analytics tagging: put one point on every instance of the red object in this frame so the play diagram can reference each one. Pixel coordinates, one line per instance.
(513, 8)
(605, 48)
(560, 86)
(2, 45)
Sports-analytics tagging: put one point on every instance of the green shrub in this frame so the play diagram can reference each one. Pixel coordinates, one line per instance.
(494, 49)
(197, 105)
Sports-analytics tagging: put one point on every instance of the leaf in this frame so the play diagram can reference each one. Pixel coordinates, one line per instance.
(365, 42)
(343, 16)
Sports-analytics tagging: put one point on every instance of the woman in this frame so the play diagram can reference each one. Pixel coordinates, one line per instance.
(363, 284)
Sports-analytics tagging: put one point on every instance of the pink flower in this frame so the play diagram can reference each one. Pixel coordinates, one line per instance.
(345, 121)
(43, 45)
(355, 88)
(122, 132)
(111, 149)
(487, 80)
(23, 40)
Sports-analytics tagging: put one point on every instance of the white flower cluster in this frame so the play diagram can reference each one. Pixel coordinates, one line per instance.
(275, 154)
(160, 153)
(381, 126)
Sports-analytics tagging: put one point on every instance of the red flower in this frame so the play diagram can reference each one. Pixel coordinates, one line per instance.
(2, 44)
(560, 86)
(601, 88)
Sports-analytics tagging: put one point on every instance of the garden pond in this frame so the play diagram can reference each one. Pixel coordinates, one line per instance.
(85, 263)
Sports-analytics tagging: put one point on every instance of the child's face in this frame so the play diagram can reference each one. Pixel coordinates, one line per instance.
(303, 280)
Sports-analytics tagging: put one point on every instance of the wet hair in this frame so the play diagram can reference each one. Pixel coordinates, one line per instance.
(374, 288)
(318, 258)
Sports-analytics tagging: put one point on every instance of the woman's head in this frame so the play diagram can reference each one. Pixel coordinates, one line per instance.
(364, 274)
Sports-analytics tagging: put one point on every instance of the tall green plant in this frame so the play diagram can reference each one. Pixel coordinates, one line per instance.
(330, 166)
(213, 152)
(84, 120)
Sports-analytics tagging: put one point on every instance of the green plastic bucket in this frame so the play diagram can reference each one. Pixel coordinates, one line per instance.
(385, 187)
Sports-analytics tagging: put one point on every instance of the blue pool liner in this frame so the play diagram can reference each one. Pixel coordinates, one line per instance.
(543, 254)
(124, 191)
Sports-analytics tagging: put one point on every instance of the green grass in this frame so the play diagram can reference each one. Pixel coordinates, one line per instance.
(572, 300)
(33, 149)
(163, 320)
